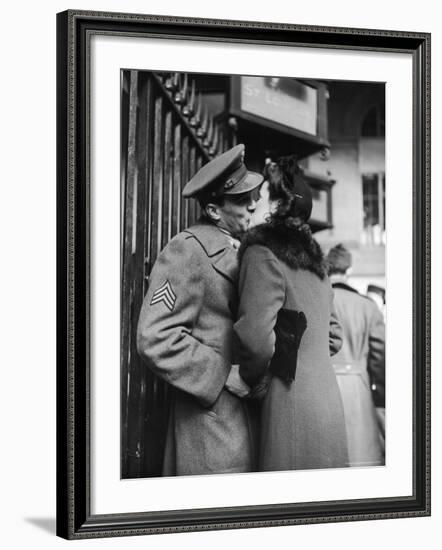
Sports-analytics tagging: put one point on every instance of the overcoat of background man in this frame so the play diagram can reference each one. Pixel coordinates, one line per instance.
(360, 364)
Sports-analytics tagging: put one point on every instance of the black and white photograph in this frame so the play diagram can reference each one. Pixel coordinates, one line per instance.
(243, 306)
(253, 282)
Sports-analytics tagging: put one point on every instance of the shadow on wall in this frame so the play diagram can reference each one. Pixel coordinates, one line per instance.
(46, 524)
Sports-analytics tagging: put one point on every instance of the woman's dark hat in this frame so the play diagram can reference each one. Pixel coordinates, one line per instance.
(303, 203)
(225, 175)
(296, 186)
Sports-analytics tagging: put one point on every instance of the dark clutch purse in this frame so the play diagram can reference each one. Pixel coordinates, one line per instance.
(289, 328)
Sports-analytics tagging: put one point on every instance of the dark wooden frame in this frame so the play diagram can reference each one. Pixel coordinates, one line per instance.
(74, 519)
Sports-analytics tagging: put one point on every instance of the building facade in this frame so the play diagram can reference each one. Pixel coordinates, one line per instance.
(356, 121)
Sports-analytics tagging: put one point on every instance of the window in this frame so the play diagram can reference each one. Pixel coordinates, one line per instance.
(373, 196)
(373, 124)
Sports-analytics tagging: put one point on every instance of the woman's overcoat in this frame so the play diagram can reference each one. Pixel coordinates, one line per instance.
(302, 423)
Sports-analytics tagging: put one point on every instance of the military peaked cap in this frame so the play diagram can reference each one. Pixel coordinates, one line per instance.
(225, 175)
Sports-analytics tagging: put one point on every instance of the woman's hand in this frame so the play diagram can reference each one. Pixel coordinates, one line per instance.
(259, 391)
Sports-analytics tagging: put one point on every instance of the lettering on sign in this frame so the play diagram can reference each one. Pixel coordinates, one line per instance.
(282, 100)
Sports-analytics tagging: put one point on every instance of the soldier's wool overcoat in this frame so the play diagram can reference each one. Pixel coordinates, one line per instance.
(185, 336)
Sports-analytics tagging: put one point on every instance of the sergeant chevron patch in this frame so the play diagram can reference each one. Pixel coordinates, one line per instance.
(164, 294)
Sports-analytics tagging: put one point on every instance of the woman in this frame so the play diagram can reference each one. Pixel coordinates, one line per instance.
(283, 272)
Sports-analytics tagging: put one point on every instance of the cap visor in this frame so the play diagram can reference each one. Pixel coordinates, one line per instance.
(250, 182)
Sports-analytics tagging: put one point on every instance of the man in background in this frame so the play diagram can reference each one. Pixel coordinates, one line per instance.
(360, 361)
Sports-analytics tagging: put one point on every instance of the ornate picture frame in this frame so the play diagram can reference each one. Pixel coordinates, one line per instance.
(75, 519)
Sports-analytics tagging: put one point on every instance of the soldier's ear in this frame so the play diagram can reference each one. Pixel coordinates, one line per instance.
(212, 211)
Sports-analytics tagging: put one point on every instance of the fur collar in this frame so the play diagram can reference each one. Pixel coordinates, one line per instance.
(295, 248)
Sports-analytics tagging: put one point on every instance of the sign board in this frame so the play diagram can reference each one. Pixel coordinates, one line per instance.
(282, 100)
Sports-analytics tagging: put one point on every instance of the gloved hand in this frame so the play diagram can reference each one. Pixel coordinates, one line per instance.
(259, 391)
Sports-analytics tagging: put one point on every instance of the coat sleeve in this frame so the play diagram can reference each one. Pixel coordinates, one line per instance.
(261, 296)
(170, 310)
(335, 331)
(376, 356)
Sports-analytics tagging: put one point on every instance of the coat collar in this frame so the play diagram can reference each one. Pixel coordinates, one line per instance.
(218, 248)
(226, 263)
(344, 286)
(295, 247)
(210, 237)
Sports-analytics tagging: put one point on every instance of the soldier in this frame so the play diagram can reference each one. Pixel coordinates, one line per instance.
(185, 325)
